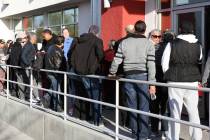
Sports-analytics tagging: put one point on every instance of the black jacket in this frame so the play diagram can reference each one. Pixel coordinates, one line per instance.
(54, 58)
(27, 55)
(87, 55)
(47, 44)
(15, 54)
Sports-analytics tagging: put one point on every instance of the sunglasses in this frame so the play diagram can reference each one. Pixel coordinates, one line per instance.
(156, 36)
(23, 42)
(2, 43)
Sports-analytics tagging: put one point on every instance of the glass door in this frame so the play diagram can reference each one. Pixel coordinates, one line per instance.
(195, 16)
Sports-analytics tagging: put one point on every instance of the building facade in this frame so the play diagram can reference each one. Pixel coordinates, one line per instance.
(78, 15)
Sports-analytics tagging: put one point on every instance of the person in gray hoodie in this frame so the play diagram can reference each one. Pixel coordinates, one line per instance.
(138, 56)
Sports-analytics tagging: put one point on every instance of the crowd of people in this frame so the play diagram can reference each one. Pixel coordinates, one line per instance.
(160, 57)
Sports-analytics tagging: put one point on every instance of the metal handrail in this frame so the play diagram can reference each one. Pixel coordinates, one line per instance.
(116, 106)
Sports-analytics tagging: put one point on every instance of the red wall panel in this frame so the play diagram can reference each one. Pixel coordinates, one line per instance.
(118, 16)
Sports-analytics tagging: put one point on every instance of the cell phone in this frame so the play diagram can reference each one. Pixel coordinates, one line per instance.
(153, 97)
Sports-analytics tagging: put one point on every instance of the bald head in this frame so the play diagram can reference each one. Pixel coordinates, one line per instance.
(129, 29)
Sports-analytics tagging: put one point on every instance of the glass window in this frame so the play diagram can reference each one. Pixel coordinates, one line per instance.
(28, 23)
(39, 34)
(17, 24)
(56, 30)
(69, 16)
(54, 18)
(182, 2)
(165, 21)
(76, 15)
(38, 21)
(165, 4)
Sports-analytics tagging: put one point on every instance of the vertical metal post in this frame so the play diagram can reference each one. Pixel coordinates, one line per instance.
(209, 112)
(65, 97)
(31, 89)
(117, 111)
(7, 67)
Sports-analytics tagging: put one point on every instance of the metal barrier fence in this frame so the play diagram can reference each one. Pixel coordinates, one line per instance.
(116, 105)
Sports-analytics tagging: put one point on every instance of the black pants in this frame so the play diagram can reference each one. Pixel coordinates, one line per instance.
(159, 106)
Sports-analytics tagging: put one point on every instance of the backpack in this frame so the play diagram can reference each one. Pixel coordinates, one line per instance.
(38, 62)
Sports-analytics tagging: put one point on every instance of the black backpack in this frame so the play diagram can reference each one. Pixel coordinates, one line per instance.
(38, 62)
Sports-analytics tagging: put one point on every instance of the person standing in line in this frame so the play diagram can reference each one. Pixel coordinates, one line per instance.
(137, 54)
(180, 63)
(160, 104)
(3, 59)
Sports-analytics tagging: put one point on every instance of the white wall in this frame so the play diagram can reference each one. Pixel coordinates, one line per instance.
(150, 15)
(20, 6)
(85, 19)
(5, 32)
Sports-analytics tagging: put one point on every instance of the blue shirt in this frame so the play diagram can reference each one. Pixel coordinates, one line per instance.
(67, 44)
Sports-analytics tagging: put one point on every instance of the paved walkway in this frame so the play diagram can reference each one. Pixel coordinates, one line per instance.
(8, 132)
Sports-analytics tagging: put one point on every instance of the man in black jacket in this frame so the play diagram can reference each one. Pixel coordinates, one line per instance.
(26, 61)
(53, 61)
(85, 59)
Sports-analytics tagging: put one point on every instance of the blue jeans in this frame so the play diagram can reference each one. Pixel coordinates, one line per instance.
(72, 91)
(54, 86)
(138, 98)
(92, 87)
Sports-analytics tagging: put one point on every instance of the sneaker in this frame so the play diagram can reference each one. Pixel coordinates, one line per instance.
(164, 135)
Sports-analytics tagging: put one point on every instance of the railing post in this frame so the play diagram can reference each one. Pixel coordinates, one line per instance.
(209, 114)
(117, 111)
(65, 97)
(7, 67)
(31, 88)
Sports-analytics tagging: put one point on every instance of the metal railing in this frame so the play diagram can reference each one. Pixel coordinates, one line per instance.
(117, 107)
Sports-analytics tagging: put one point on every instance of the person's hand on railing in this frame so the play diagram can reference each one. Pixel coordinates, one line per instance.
(113, 76)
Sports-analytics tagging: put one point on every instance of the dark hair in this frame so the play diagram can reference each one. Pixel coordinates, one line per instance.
(48, 31)
(186, 28)
(168, 36)
(94, 29)
(59, 40)
(140, 26)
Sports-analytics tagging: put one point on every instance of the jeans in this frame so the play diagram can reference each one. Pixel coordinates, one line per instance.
(54, 86)
(72, 91)
(92, 87)
(137, 97)
(23, 76)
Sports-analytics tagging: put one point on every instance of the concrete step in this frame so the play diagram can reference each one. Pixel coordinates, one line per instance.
(8, 132)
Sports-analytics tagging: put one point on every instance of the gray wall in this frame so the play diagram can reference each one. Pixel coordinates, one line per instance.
(43, 126)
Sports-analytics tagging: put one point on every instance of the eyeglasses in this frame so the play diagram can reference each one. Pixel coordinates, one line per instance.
(156, 36)
(23, 42)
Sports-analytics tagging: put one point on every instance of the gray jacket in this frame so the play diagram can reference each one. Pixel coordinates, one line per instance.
(206, 70)
(137, 54)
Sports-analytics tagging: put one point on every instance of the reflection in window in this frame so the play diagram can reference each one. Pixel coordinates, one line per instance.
(38, 21)
(56, 30)
(54, 18)
(165, 21)
(165, 4)
(69, 16)
(28, 24)
(182, 2)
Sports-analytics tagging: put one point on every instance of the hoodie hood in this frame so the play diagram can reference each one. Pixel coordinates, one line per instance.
(86, 37)
(189, 38)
